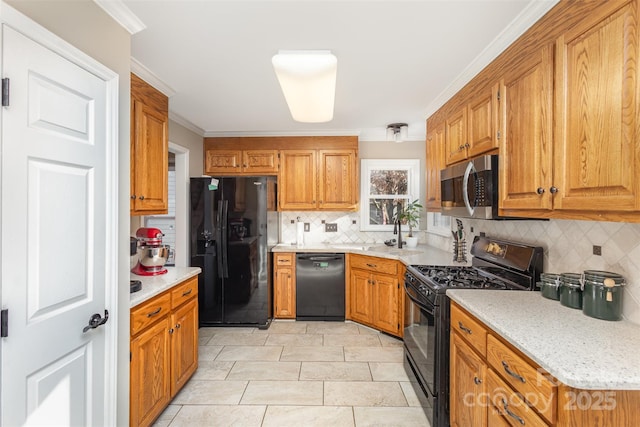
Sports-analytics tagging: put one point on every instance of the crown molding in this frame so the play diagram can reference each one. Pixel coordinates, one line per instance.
(283, 133)
(122, 15)
(148, 76)
(186, 123)
(529, 16)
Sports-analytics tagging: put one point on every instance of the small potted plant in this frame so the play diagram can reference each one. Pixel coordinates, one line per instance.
(410, 215)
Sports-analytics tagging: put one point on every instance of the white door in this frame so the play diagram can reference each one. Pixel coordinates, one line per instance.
(56, 244)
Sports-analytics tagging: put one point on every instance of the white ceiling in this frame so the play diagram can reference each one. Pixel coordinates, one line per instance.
(398, 61)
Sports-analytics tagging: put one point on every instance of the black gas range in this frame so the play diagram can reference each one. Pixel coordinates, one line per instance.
(495, 265)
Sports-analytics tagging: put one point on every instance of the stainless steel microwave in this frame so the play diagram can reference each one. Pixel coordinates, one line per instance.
(470, 189)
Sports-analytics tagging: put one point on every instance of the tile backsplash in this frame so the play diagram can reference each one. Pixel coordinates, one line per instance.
(568, 245)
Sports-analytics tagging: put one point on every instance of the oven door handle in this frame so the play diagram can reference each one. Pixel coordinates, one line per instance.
(422, 306)
(465, 185)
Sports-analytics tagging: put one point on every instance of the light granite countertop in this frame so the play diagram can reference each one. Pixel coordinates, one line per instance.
(578, 350)
(421, 254)
(155, 285)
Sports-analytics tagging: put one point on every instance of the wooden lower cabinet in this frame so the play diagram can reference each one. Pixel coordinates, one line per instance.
(468, 384)
(164, 350)
(376, 298)
(493, 384)
(284, 286)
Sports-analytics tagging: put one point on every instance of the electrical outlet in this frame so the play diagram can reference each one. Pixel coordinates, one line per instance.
(307, 226)
(330, 227)
(597, 250)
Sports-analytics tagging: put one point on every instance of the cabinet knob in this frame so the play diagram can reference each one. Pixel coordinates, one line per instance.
(553, 190)
(244, 165)
(460, 148)
(466, 145)
(133, 197)
(540, 190)
(141, 197)
(170, 331)
(178, 326)
(477, 380)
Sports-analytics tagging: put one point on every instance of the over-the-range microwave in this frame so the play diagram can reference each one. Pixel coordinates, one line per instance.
(470, 189)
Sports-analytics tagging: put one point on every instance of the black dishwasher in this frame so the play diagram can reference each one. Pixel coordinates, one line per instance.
(319, 286)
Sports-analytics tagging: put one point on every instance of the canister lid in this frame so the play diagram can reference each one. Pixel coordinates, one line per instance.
(550, 278)
(599, 277)
(570, 279)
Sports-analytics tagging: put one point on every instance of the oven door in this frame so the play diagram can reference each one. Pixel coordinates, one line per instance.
(420, 336)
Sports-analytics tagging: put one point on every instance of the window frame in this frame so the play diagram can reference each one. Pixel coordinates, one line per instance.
(412, 166)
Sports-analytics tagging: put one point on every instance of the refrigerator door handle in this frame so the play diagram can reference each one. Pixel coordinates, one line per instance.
(218, 237)
(225, 243)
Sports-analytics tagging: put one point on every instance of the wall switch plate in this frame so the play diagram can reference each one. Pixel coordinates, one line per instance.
(597, 250)
(330, 227)
(307, 226)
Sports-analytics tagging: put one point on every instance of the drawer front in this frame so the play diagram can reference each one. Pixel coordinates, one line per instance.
(374, 264)
(525, 378)
(509, 405)
(472, 331)
(150, 311)
(184, 292)
(285, 260)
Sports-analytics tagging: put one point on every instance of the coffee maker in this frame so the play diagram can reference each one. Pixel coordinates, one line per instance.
(152, 254)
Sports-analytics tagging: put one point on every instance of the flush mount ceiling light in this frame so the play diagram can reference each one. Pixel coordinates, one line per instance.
(397, 132)
(308, 81)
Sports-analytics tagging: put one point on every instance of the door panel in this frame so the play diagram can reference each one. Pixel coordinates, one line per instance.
(55, 235)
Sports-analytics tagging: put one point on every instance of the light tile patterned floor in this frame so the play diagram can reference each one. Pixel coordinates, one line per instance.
(297, 374)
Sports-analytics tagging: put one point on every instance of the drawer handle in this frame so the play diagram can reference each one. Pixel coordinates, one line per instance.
(477, 380)
(511, 414)
(464, 328)
(372, 265)
(513, 374)
(153, 313)
(184, 294)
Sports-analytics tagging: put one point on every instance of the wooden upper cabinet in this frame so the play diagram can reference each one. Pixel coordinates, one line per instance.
(149, 149)
(435, 163)
(297, 185)
(337, 179)
(238, 162)
(456, 136)
(318, 180)
(525, 148)
(472, 129)
(596, 147)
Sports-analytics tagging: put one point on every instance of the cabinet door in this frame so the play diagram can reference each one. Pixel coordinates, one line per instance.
(435, 163)
(456, 136)
(596, 147)
(526, 144)
(150, 374)
(483, 122)
(467, 386)
(360, 293)
(297, 183)
(222, 162)
(149, 160)
(337, 180)
(285, 293)
(386, 315)
(260, 161)
(184, 344)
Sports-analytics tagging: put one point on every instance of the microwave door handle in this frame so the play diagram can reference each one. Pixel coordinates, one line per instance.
(465, 191)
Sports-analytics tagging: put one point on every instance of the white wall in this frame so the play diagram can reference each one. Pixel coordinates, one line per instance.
(86, 26)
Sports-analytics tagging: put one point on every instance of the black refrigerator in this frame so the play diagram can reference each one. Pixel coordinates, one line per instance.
(234, 223)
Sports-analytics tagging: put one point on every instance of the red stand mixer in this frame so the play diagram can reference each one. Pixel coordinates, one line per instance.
(152, 254)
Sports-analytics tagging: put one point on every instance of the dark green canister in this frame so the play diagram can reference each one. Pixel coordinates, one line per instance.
(550, 285)
(602, 295)
(571, 290)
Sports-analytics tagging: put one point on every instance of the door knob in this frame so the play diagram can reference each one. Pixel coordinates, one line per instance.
(96, 320)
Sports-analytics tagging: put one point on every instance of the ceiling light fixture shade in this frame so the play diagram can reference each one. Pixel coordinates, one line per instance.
(397, 132)
(308, 81)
